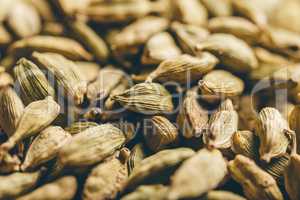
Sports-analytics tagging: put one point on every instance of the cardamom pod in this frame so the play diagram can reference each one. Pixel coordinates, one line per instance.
(61, 189)
(157, 164)
(5, 79)
(190, 12)
(91, 40)
(265, 56)
(11, 109)
(274, 134)
(220, 84)
(5, 36)
(158, 48)
(54, 29)
(66, 74)
(294, 122)
(146, 98)
(148, 192)
(137, 154)
(291, 177)
(9, 164)
(184, 68)
(233, 52)
(159, 133)
(188, 35)
(221, 195)
(197, 175)
(91, 146)
(192, 118)
(245, 143)
(218, 8)
(90, 70)
(45, 147)
(33, 83)
(107, 178)
(16, 184)
(78, 127)
(60, 45)
(69, 9)
(36, 116)
(247, 111)
(221, 127)
(43, 7)
(257, 184)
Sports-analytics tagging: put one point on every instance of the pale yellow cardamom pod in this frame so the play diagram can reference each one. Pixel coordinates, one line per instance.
(218, 8)
(222, 195)
(78, 127)
(147, 192)
(137, 154)
(245, 143)
(292, 177)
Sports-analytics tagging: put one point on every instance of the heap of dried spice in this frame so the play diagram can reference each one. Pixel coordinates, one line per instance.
(150, 99)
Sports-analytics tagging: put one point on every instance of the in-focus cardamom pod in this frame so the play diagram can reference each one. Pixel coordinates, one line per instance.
(89, 70)
(78, 127)
(137, 154)
(245, 143)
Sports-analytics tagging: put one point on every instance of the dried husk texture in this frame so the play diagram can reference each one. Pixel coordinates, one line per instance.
(292, 178)
(147, 192)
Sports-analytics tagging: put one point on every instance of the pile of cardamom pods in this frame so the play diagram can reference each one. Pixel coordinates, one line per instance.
(150, 99)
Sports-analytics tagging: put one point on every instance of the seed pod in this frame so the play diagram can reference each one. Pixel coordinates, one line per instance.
(43, 7)
(60, 45)
(233, 52)
(33, 83)
(294, 122)
(157, 164)
(257, 184)
(24, 20)
(219, 84)
(45, 147)
(192, 118)
(245, 143)
(136, 156)
(221, 195)
(107, 79)
(5, 36)
(62, 189)
(266, 56)
(292, 178)
(198, 175)
(160, 133)
(78, 127)
(36, 116)
(236, 26)
(91, 40)
(107, 178)
(218, 8)
(9, 164)
(190, 12)
(11, 109)
(274, 134)
(16, 184)
(188, 35)
(146, 98)
(89, 70)
(159, 47)
(5, 79)
(148, 192)
(183, 68)
(66, 74)
(69, 9)
(91, 146)
(54, 29)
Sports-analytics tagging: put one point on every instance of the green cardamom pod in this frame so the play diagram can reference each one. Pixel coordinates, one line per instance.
(78, 127)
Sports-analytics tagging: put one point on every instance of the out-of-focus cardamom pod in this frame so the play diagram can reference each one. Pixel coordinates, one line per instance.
(43, 7)
(148, 192)
(221, 127)
(5, 36)
(78, 127)
(188, 35)
(89, 70)
(219, 84)
(5, 79)
(9, 164)
(274, 134)
(146, 98)
(247, 110)
(33, 83)
(137, 154)
(107, 178)
(265, 56)
(157, 164)
(54, 29)
(158, 48)
(233, 52)
(218, 8)
(16, 184)
(198, 175)
(237, 26)
(11, 109)
(69, 9)
(245, 143)
(91, 40)
(45, 147)
(36, 116)
(257, 184)
(222, 195)
(292, 177)
(107, 80)
(184, 68)
(159, 133)
(294, 122)
(24, 20)
(192, 118)
(190, 12)
(60, 45)
(61, 189)
(91, 146)
(66, 74)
